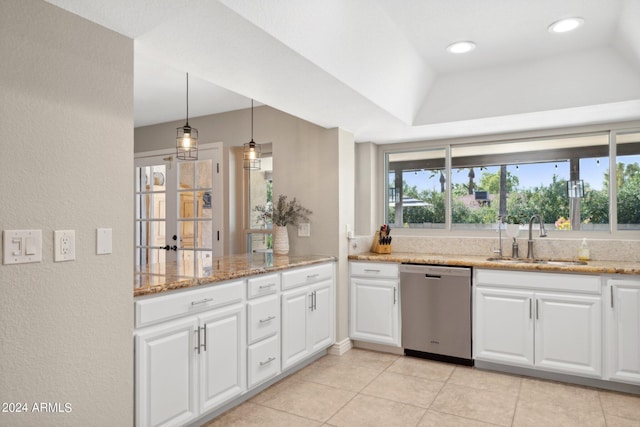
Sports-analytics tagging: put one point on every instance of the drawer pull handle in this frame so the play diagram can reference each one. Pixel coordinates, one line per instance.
(268, 319)
(311, 276)
(370, 270)
(266, 362)
(206, 300)
(267, 286)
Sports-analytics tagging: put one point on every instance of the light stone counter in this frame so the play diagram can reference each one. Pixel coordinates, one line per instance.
(160, 278)
(592, 267)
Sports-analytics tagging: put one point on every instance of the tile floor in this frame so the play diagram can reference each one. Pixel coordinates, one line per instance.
(366, 388)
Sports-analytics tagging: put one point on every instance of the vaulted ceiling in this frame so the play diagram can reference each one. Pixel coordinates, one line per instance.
(380, 68)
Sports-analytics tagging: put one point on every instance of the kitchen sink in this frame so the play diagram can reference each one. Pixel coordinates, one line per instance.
(559, 262)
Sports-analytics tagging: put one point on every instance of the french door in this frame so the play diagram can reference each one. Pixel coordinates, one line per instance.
(178, 209)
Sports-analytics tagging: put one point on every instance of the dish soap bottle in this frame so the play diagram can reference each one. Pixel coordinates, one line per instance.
(583, 252)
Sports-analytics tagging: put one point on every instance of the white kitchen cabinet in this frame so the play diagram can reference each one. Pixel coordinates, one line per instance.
(374, 313)
(222, 356)
(166, 374)
(189, 366)
(307, 312)
(503, 329)
(622, 329)
(517, 321)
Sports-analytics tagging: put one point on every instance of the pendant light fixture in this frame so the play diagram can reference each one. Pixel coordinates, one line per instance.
(252, 151)
(187, 137)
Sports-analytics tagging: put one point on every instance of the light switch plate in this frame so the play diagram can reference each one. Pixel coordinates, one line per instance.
(21, 246)
(304, 229)
(64, 245)
(104, 241)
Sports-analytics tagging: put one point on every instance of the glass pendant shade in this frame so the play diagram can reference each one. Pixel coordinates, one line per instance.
(251, 155)
(187, 137)
(187, 143)
(251, 152)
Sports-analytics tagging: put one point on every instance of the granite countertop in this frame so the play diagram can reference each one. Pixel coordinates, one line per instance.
(592, 267)
(158, 278)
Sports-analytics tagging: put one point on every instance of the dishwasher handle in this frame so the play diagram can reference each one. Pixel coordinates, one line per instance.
(432, 276)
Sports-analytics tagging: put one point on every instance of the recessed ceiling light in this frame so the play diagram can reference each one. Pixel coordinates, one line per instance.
(564, 25)
(461, 47)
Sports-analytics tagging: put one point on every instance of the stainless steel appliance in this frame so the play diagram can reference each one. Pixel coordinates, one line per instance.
(436, 312)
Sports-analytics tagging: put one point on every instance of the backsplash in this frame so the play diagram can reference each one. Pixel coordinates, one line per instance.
(600, 249)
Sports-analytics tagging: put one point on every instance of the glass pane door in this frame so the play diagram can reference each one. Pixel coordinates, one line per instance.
(179, 211)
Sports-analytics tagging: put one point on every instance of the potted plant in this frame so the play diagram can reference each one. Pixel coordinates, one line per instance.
(282, 214)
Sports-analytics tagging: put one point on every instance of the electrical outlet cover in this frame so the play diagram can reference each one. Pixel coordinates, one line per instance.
(64, 245)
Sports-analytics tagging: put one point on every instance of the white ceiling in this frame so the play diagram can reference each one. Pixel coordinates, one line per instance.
(379, 68)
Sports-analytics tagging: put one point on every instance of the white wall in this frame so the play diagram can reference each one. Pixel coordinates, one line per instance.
(66, 161)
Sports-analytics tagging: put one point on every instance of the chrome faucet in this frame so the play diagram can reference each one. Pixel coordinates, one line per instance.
(543, 233)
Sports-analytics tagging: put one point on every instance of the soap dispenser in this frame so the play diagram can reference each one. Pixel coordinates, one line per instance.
(583, 252)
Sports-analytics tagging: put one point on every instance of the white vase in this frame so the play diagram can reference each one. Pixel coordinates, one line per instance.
(280, 240)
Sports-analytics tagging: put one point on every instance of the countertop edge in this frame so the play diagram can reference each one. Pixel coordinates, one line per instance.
(592, 267)
(183, 283)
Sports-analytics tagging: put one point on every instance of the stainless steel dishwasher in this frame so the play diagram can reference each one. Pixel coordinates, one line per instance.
(436, 312)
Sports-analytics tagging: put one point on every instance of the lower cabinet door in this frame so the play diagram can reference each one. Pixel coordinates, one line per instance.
(321, 316)
(623, 331)
(569, 334)
(263, 360)
(374, 311)
(295, 305)
(222, 356)
(503, 326)
(166, 374)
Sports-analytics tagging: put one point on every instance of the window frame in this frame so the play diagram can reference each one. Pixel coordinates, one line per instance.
(448, 145)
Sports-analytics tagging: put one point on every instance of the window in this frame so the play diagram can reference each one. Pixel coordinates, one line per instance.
(416, 189)
(260, 192)
(565, 179)
(628, 180)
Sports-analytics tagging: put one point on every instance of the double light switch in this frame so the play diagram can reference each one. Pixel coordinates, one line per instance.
(22, 246)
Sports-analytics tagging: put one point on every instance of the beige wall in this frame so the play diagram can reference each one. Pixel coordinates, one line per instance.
(66, 161)
(313, 164)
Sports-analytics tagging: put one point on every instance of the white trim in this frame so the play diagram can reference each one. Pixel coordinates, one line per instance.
(165, 151)
(340, 348)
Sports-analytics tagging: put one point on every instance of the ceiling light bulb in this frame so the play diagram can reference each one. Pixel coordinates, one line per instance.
(461, 47)
(565, 25)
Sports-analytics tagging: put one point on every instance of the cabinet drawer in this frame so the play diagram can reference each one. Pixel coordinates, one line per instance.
(537, 281)
(372, 270)
(263, 360)
(306, 275)
(263, 318)
(263, 285)
(160, 308)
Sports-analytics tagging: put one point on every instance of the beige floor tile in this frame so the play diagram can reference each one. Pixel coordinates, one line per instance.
(536, 414)
(249, 414)
(485, 380)
(306, 399)
(559, 395)
(613, 421)
(488, 406)
(403, 388)
(359, 357)
(621, 405)
(422, 368)
(342, 376)
(438, 419)
(372, 411)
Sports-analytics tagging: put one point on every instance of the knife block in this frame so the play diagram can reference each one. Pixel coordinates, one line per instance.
(377, 248)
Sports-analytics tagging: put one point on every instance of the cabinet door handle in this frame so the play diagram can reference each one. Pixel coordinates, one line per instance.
(197, 347)
(530, 309)
(205, 337)
(267, 286)
(611, 288)
(268, 319)
(311, 301)
(395, 296)
(202, 301)
(537, 312)
(315, 300)
(266, 362)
